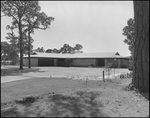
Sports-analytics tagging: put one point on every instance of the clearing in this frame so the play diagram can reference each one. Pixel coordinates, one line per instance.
(45, 96)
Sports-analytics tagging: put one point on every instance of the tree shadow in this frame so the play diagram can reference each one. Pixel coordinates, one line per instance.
(130, 87)
(13, 71)
(12, 112)
(145, 95)
(81, 104)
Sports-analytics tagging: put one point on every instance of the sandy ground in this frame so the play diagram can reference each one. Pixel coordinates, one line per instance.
(65, 97)
(39, 95)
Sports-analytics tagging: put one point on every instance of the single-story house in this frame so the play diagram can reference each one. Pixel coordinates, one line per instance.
(77, 59)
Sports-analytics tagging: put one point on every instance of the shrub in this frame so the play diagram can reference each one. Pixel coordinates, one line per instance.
(123, 66)
(108, 68)
(127, 75)
(26, 100)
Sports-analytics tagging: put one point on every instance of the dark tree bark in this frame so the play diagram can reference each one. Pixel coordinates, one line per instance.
(21, 50)
(29, 66)
(141, 52)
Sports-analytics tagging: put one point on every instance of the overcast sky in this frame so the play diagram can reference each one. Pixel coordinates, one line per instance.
(96, 25)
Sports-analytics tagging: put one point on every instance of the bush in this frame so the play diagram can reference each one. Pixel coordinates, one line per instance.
(114, 66)
(26, 101)
(108, 68)
(123, 66)
(127, 75)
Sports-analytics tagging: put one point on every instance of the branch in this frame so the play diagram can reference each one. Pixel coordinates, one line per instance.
(41, 28)
(3, 15)
(12, 15)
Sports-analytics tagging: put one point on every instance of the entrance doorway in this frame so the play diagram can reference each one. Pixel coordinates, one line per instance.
(101, 62)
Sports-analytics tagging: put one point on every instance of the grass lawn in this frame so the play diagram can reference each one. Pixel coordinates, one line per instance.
(47, 97)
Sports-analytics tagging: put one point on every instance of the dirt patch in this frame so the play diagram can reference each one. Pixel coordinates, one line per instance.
(81, 104)
(71, 98)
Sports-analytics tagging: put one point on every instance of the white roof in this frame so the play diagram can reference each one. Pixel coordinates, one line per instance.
(79, 55)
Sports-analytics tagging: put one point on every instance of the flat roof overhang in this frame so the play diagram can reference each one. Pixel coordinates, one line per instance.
(79, 57)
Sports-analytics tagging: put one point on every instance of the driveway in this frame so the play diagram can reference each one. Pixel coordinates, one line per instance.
(12, 73)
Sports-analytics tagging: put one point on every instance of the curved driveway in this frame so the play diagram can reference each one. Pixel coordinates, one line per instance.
(8, 73)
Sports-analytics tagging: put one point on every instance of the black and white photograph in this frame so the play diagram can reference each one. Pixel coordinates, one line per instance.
(74, 58)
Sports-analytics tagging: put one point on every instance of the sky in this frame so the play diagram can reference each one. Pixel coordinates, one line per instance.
(96, 25)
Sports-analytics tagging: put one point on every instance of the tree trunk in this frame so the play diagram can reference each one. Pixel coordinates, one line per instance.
(21, 50)
(29, 66)
(141, 53)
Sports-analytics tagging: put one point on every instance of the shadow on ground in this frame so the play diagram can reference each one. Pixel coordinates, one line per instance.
(14, 71)
(81, 104)
(130, 87)
(145, 95)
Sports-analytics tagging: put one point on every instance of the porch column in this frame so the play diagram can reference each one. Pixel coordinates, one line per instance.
(105, 62)
(55, 62)
(119, 63)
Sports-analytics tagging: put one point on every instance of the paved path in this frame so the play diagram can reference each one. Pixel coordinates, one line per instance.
(58, 72)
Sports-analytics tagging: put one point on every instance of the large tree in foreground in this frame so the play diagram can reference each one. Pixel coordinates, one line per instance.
(141, 52)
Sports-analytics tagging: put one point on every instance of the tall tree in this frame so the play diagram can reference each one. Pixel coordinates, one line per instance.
(19, 10)
(141, 52)
(16, 10)
(34, 19)
(14, 40)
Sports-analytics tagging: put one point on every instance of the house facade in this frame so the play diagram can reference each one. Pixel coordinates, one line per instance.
(77, 60)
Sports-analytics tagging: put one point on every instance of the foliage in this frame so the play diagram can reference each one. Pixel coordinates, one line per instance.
(14, 40)
(66, 49)
(27, 101)
(49, 51)
(123, 66)
(108, 68)
(8, 52)
(126, 75)
(39, 49)
(78, 47)
(129, 32)
(26, 16)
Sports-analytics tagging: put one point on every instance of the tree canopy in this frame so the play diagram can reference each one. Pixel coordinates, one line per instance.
(129, 32)
(66, 48)
(26, 17)
(39, 49)
(8, 52)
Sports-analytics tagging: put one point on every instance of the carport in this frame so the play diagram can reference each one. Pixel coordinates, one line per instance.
(77, 59)
(101, 62)
(45, 62)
